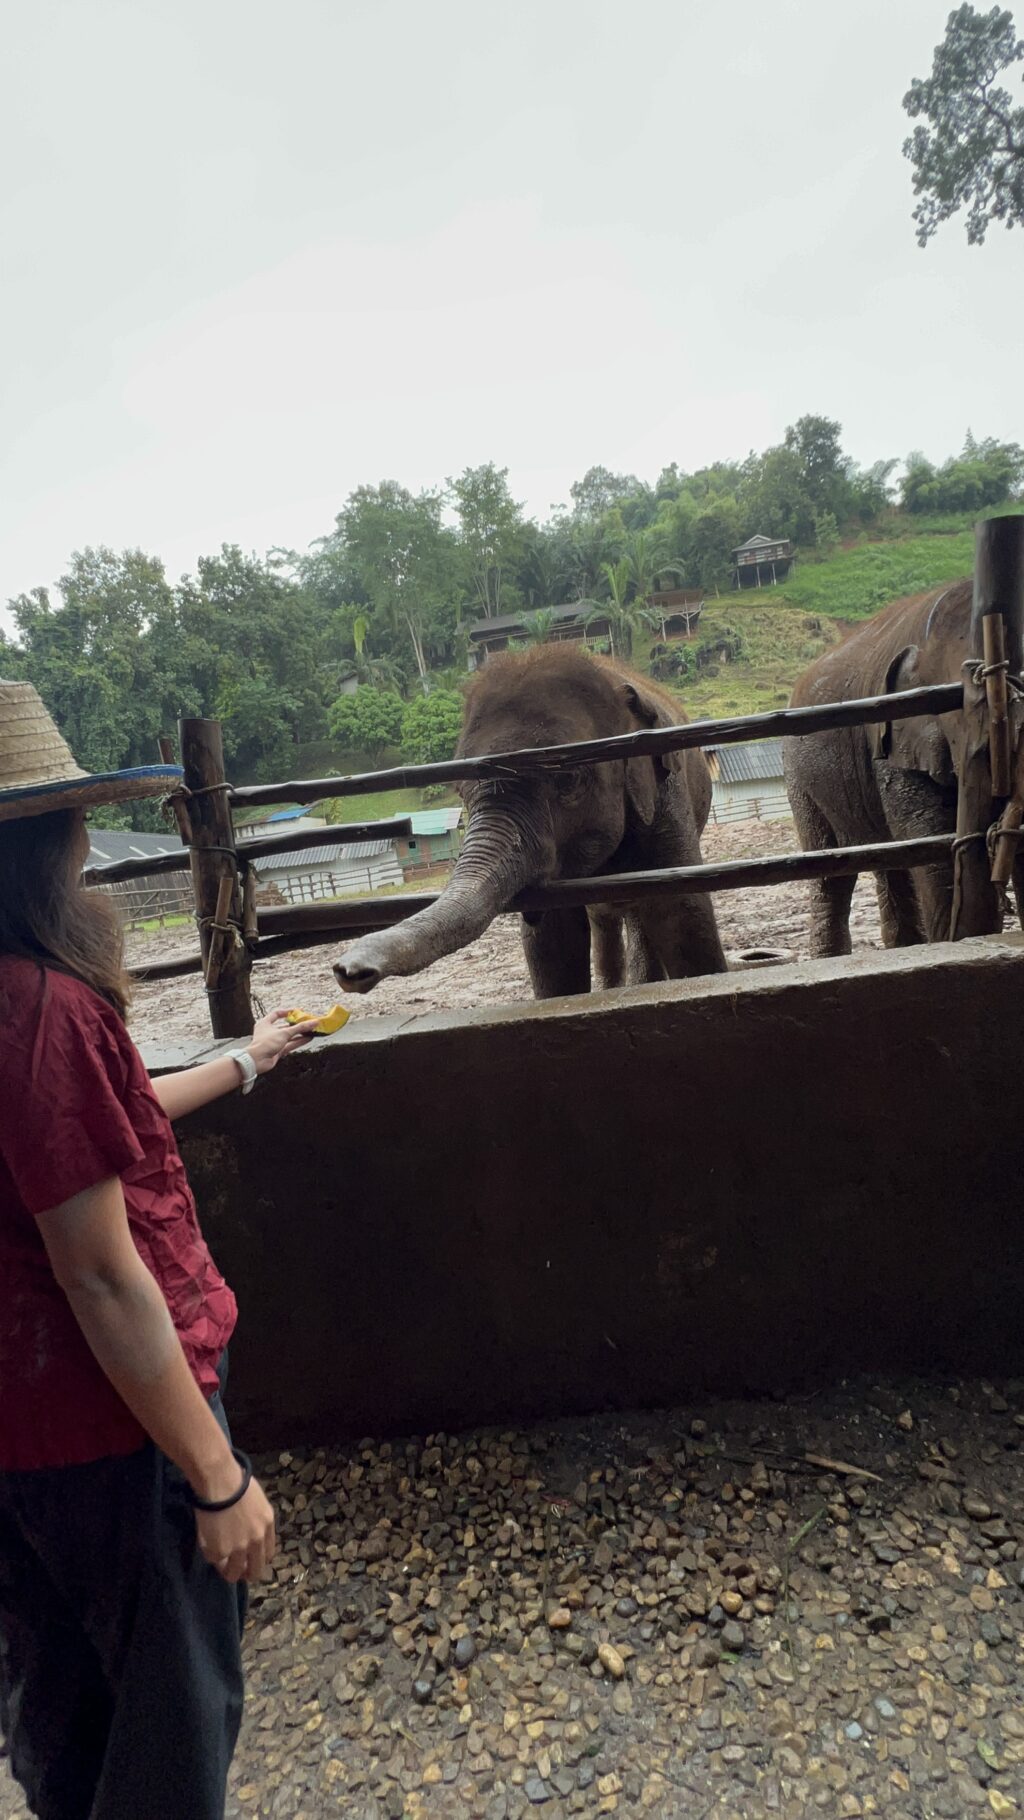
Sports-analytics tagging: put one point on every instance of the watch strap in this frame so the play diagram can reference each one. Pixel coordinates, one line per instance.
(246, 1067)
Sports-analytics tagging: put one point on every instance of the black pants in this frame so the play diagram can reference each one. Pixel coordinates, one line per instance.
(120, 1657)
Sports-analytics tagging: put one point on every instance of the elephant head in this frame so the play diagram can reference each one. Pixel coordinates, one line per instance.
(535, 827)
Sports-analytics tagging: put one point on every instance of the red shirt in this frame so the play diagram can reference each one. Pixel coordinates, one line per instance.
(76, 1107)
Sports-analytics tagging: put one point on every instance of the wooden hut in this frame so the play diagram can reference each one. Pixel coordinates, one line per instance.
(761, 561)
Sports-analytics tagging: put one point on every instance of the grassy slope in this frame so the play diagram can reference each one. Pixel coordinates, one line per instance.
(786, 627)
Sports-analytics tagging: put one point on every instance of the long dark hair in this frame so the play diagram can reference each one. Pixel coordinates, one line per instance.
(46, 916)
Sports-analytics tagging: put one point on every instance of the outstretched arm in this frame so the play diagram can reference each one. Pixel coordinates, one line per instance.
(189, 1088)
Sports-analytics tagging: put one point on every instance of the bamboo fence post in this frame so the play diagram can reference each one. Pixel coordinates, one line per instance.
(984, 773)
(215, 879)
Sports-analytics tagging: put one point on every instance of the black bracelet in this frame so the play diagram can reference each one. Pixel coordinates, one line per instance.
(213, 1505)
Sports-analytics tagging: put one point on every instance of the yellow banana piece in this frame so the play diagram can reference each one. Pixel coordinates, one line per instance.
(331, 1021)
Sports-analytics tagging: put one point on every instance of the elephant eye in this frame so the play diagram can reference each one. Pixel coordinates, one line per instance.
(571, 783)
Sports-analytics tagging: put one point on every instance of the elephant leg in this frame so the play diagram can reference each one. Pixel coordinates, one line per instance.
(915, 807)
(898, 909)
(607, 949)
(829, 899)
(683, 936)
(643, 964)
(557, 948)
(935, 891)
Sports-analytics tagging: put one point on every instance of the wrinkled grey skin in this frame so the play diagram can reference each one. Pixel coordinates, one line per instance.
(854, 785)
(617, 817)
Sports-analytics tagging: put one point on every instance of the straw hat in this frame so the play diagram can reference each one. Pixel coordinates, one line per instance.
(38, 773)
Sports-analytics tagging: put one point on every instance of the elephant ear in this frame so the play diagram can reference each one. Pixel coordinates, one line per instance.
(645, 776)
(911, 745)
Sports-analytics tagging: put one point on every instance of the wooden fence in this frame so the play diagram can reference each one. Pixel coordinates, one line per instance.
(233, 931)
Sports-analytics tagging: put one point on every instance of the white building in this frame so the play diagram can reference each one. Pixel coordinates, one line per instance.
(747, 783)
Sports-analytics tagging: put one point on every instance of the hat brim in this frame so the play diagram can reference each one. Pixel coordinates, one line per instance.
(89, 791)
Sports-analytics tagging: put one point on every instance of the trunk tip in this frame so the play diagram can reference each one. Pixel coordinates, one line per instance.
(352, 976)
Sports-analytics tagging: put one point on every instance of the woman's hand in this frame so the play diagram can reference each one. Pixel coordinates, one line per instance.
(241, 1542)
(274, 1037)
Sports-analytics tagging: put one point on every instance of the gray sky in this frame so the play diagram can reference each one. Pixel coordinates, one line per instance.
(256, 253)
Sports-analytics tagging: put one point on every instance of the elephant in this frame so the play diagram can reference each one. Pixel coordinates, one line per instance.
(893, 781)
(619, 816)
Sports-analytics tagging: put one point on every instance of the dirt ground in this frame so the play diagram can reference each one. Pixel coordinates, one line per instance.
(491, 971)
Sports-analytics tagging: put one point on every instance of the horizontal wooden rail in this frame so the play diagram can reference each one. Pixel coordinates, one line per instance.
(944, 698)
(341, 833)
(283, 927)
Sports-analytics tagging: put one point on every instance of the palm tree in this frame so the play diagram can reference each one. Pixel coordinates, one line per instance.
(647, 560)
(539, 627)
(622, 610)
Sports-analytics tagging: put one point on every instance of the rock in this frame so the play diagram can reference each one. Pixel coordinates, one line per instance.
(731, 1602)
(422, 1690)
(622, 1699)
(560, 1618)
(611, 1661)
(905, 1421)
(734, 1637)
(536, 1791)
(364, 1670)
(626, 1608)
(885, 1708)
(1000, 1803)
(465, 1652)
(854, 1731)
(377, 1546)
(975, 1507)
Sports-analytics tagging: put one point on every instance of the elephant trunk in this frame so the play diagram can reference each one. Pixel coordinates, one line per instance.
(501, 855)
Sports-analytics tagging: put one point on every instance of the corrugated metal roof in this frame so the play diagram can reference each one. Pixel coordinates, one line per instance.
(508, 622)
(291, 815)
(746, 764)
(109, 844)
(435, 821)
(308, 857)
(759, 538)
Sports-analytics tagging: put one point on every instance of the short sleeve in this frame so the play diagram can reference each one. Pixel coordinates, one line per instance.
(63, 1126)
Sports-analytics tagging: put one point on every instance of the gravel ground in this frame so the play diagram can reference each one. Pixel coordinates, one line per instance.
(492, 971)
(592, 1617)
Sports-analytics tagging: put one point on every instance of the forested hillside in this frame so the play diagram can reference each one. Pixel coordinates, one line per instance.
(387, 598)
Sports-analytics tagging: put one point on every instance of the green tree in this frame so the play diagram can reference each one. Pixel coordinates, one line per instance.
(430, 727)
(490, 532)
(599, 490)
(970, 155)
(406, 563)
(253, 645)
(624, 609)
(90, 655)
(538, 627)
(817, 442)
(368, 720)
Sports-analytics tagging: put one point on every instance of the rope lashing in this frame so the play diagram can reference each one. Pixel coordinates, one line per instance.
(977, 670)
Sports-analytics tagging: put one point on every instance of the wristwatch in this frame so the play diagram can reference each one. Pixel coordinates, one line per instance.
(246, 1067)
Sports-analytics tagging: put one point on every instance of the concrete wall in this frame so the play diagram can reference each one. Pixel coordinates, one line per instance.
(742, 1183)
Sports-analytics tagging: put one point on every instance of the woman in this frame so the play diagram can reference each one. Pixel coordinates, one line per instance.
(128, 1523)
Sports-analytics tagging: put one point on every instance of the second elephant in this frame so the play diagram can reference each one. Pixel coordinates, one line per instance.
(854, 785)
